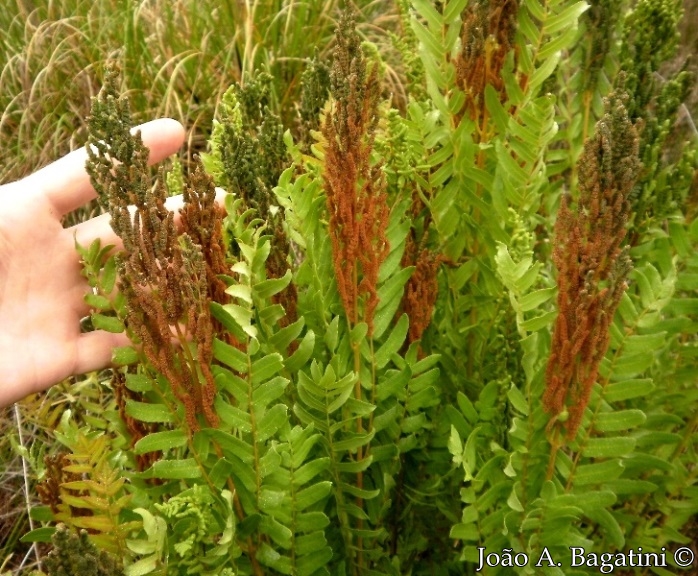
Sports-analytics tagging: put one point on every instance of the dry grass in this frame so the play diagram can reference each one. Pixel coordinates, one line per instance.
(20, 444)
(177, 60)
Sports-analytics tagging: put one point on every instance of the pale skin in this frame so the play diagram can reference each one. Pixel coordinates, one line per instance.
(41, 287)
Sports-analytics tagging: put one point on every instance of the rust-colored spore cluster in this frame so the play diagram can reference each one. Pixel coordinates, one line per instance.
(487, 36)
(167, 279)
(49, 489)
(165, 284)
(592, 266)
(422, 288)
(201, 220)
(355, 188)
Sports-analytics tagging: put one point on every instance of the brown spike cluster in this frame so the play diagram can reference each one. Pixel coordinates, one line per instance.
(166, 286)
(592, 266)
(49, 489)
(201, 220)
(422, 288)
(167, 279)
(355, 188)
(487, 36)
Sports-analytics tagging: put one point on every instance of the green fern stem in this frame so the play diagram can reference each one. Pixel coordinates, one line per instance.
(359, 420)
(690, 429)
(258, 481)
(591, 428)
(587, 433)
(555, 444)
(359, 451)
(529, 443)
(250, 547)
(342, 516)
(373, 390)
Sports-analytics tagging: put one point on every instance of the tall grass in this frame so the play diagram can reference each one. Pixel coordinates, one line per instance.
(178, 57)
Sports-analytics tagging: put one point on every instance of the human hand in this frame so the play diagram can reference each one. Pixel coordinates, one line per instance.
(41, 287)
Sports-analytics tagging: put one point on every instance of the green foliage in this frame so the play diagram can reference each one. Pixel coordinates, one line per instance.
(650, 38)
(286, 434)
(248, 153)
(315, 89)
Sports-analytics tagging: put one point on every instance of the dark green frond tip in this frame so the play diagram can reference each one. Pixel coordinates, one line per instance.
(315, 89)
(254, 95)
(651, 30)
(611, 156)
(248, 153)
(349, 69)
(74, 555)
(674, 93)
(117, 160)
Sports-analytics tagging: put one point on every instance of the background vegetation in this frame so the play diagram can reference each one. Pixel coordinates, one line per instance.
(178, 59)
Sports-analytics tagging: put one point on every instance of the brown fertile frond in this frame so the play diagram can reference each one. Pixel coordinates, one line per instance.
(165, 278)
(202, 221)
(592, 265)
(48, 489)
(51, 490)
(166, 288)
(355, 188)
(487, 36)
(422, 288)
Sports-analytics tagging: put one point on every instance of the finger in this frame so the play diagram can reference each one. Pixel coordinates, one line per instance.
(99, 227)
(66, 184)
(95, 350)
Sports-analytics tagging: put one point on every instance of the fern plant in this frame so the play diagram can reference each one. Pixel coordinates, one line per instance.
(416, 339)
